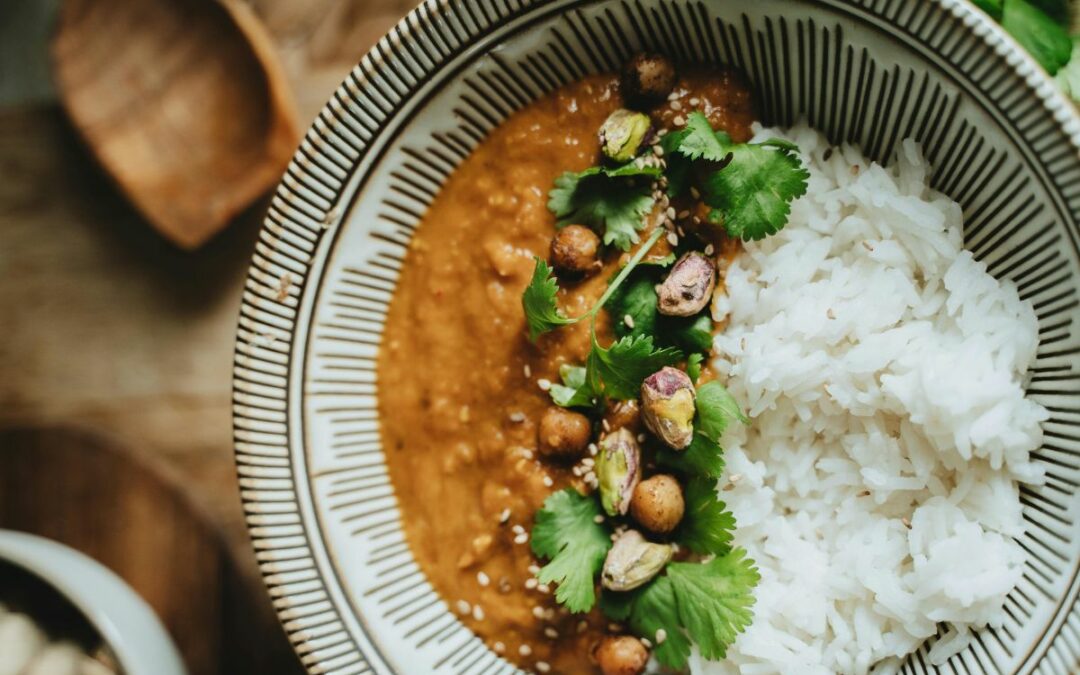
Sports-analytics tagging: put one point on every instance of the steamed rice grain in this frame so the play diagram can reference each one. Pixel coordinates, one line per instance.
(883, 368)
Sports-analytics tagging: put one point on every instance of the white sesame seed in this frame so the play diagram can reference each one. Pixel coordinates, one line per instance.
(463, 607)
(478, 612)
(684, 215)
(629, 321)
(735, 478)
(544, 384)
(670, 213)
(504, 516)
(588, 461)
(647, 643)
(658, 149)
(538, 612)
(544, 588)
(593, 449)
(499, 647)
(551, 633)
(607, 425)
(517, 417)
(528, 371)
(543, 666)
(661, 635)
(517, 529)
(548, 482)
(577, 471)
(676, 105)
(614, 628)
(526, 453)
(521, 538)
(694, 101)
(678, 120)
(906, 522)
(482, 578)
(531, 583)
(524, 650)
(673, 239)
(710, 249)
(641, 438)
(534, 569)
(673, 96)
(598, 519)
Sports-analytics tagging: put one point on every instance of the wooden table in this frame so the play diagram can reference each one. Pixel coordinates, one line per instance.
(107, 326)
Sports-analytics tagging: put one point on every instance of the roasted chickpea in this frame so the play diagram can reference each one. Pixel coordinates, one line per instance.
(658, 504)
(621, 655)
(647, 79)
(575, 249)
(563, 433)
(623, 415)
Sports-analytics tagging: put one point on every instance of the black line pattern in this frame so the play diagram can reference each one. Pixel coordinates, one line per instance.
(317, 497)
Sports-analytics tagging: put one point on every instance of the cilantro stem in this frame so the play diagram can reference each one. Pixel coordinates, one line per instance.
(625, 271)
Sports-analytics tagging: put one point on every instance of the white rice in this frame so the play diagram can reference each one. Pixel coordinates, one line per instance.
(883, 369)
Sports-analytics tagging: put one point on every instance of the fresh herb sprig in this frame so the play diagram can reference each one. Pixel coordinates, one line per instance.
(613, 201)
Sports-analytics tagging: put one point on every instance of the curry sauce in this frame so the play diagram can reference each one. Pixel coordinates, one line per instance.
(462, 388)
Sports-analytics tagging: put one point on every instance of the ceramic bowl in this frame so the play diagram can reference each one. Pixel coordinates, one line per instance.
(1003, 142)
(126, 624)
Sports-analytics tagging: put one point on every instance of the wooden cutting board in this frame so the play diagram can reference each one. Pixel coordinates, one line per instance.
(84, 491)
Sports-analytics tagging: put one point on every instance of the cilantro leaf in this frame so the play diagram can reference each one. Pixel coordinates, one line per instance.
(991, 7)
(691, 333)
(714, 599)
(702, 457)
(612, 201)
(693, 366)
(636, 298)
(566, 533)
(678, 165)
(1068, 78)
(647, 610)
(620, 369)
(755, 190)
(573, 392)
(708, 603)
(707, 526)
(701, 142)
(541, 311)
(1045, 39)
(716, 407)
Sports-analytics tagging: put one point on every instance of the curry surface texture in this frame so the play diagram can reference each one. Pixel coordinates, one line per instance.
(458, 378)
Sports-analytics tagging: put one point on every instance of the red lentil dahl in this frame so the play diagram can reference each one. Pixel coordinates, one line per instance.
(463, 388)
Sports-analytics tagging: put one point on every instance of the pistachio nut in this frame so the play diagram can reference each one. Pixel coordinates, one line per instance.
(633, 561)
(688, 286)
(623, 134)
(667, 405)
(618, 469)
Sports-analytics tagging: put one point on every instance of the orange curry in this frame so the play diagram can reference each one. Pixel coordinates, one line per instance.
(463, 388)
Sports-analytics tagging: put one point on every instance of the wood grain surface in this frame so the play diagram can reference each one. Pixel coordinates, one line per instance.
(108, 326)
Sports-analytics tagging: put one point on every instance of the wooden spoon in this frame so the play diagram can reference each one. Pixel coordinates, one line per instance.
(183, 101)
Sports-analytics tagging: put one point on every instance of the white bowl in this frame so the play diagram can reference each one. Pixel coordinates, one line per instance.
(1004, 143)
(124, 621)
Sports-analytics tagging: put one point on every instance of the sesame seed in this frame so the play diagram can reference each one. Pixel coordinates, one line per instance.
(658, 150)
(463, 607)
(673, 239)
(647, 643)
(577, 471)
(524, 650)
(614, 628)
(593, 449)
(673, 96)
(607, 425)
(544, 384)
(676, 105)
(531, 584)
(534, 569)
(538, 612)
(906, 522)
(678, 120)
(544, 588)
(661, 635)
(830, 313)
(499, 647)
(526, 453)
(548, 482)
(517, 417)
(863, 493)
(694, 193)
(521, 538)
(735, 477)
(528, 371)
(641, 438)
(517, 529)
(582, 626)
(598, 519)
(670, 213)
(543, 666)
(710, 249)
(588, 461)
(504, 516)
(482, 579)
(551, 633)
(694, 101)
(478, 612)
(629, 321)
